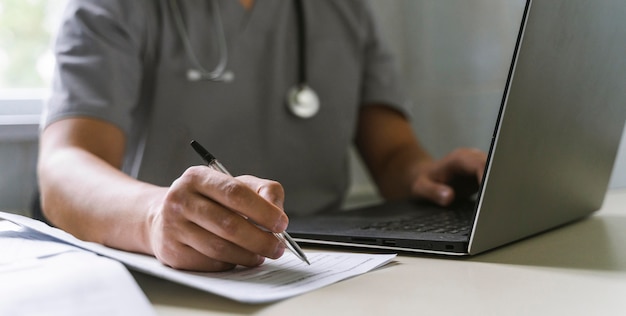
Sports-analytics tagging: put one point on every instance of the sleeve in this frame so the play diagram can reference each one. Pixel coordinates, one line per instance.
(381, 80)
(98, 63)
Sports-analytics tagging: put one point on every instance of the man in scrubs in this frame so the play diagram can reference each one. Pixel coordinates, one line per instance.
(115, 165)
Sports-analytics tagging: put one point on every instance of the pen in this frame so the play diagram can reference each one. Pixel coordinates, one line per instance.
(212, 162)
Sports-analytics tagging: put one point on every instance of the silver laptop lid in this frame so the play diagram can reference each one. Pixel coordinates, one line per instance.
(560, 124)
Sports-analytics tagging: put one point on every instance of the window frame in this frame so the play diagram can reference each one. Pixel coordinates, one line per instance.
(20, 114)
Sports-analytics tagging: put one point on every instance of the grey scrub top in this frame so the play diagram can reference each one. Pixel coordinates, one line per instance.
(124, 62)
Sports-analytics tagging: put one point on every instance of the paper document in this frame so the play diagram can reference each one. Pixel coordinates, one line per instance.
(18, 244)
(43, 277)
(272, 281)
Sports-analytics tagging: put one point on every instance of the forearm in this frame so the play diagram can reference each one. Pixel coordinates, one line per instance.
(402, 168)
(196, 223)
(391, 152)
(93, 200)
(396, 174)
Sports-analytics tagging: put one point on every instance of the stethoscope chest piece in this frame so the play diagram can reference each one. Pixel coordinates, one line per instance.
(302, 101)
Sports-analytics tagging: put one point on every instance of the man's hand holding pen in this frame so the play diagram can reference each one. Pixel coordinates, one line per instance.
(199, 225)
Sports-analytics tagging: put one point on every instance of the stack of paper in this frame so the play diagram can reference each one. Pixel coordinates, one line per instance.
(272, 281)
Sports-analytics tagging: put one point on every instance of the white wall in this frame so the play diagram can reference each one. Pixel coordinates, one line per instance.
(455, 55)
(18, 150)
(17, 175)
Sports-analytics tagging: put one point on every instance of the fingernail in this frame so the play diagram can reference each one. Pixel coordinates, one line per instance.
(444, 196)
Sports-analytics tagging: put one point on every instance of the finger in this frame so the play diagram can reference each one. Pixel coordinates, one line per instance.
(237, 196)
(183, 257)
(177, 231)
(172, 250)
(434, 191)
(216, 248)
(272, 191)
(229, 226)
(168, 238)
(468, 161)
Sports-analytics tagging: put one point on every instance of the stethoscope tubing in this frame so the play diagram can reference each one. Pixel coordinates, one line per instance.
(220, 69)
(302, 101)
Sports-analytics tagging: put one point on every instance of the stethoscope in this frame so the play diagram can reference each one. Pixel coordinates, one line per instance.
(302, 101)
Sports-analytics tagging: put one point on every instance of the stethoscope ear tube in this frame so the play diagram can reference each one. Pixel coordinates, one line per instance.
(302, 101)
(219, 73)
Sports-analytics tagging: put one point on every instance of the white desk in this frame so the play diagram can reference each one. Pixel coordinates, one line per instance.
(579, 269)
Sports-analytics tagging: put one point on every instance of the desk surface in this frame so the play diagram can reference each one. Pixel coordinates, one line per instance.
(579, 269)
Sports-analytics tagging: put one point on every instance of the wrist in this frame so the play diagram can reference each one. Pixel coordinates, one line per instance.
(150, 218)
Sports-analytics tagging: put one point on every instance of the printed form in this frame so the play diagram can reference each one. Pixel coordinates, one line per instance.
(272, 281)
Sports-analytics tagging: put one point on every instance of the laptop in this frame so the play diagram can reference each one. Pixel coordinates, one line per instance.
(552, 152)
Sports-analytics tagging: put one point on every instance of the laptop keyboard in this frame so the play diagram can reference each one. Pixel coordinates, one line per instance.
(449, 222)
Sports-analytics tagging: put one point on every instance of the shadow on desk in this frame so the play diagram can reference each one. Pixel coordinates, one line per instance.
(177, 296)
(595, 243)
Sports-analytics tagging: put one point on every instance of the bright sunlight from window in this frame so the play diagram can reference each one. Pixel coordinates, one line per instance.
(26, 31)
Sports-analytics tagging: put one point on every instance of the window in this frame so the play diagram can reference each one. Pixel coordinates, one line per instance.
(27, 28)
(26, 31)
